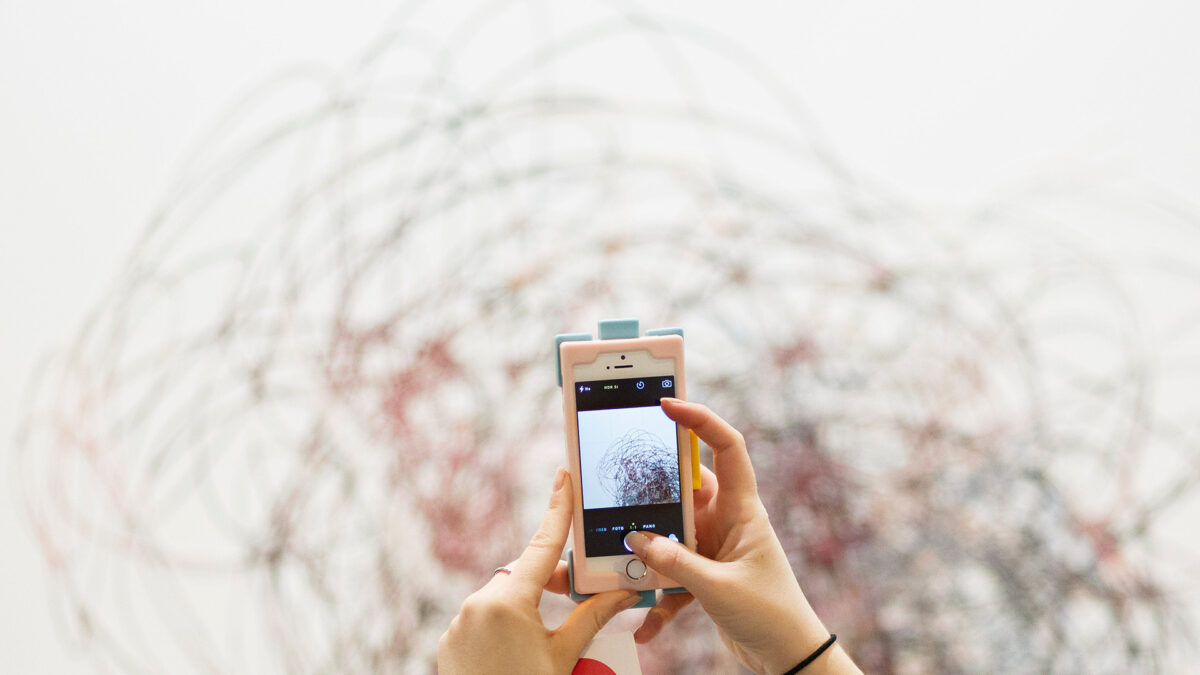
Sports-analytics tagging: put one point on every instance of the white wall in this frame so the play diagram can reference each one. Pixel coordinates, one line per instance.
(946, 104)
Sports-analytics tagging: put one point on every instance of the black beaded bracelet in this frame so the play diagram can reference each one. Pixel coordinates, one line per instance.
(813, 656)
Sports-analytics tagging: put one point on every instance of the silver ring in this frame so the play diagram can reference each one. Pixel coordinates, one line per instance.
(501, 569)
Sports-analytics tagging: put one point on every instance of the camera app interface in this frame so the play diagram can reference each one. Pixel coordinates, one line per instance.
(629, 460)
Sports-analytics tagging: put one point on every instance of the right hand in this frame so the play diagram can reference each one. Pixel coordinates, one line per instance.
(741, 575)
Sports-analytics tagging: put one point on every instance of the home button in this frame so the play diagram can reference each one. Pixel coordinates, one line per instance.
(635, 569)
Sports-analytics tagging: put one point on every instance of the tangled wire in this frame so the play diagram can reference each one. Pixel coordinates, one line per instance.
(318, 405)
(638, 468)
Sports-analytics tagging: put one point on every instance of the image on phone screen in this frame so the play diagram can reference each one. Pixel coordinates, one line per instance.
(629, 462)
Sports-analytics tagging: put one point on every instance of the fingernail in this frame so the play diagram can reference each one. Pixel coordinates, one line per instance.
(631, 600)
(560, 477)
(637, 541)
(670, 399)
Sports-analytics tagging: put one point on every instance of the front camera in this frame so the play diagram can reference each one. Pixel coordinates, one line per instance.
(622, 357)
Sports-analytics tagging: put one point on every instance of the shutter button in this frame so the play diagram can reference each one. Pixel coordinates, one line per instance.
(635, 569)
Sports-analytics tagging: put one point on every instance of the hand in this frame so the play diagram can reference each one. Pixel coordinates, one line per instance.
(741, 575)
(499, 628)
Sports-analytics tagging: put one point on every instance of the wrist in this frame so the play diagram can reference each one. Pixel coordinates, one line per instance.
(803, 636)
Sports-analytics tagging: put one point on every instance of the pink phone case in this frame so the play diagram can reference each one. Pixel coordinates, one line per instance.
(571, 354)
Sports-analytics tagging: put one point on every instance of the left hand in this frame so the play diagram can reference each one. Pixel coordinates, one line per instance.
(499, 628)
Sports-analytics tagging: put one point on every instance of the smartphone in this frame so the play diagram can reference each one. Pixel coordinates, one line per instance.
(630, 463)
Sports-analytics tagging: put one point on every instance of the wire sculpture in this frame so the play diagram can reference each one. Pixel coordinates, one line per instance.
(317, 406)
(638, 468)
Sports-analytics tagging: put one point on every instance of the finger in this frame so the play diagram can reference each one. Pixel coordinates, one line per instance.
(559, 581)
(730, 459)
(539, 560)
(671, 558)
(588, 618)
(709, 530)
(660, 615)
(708, 488)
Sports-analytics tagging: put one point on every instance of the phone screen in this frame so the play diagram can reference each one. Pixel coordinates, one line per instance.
(629, 461)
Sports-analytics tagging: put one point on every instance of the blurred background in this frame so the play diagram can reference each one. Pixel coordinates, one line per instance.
(280, 281)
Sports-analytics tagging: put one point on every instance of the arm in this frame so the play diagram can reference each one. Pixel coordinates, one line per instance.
(499, 627)
(741, 575)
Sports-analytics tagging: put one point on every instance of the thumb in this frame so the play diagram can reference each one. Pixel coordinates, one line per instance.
(588, 618)
(670, 558)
